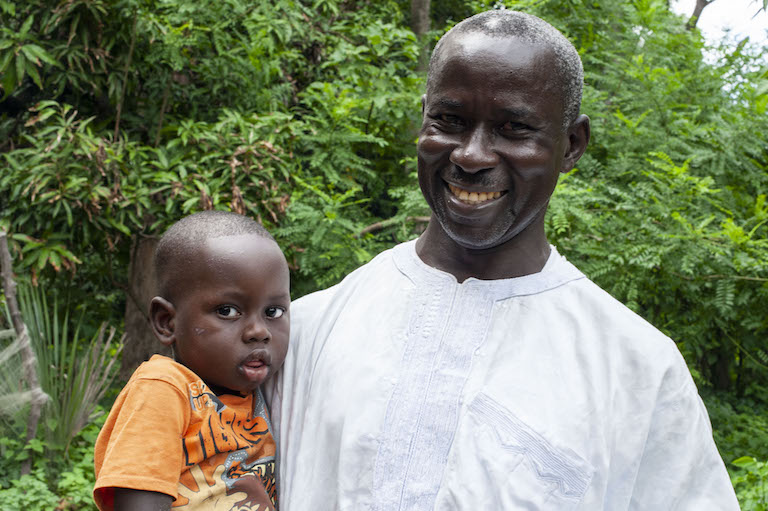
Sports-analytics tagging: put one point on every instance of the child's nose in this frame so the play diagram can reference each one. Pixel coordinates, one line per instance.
(256, 331)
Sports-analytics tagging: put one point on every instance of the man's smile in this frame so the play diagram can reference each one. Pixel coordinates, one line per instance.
(474, 197)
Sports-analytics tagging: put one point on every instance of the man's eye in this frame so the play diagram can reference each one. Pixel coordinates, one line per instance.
(514, 127)
(450, 120)
(227, 311)
(275, 312)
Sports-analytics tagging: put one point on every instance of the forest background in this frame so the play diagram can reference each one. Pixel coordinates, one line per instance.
(118, 117)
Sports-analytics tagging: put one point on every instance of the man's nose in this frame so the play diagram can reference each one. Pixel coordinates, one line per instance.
(475, 152)
(256, 331)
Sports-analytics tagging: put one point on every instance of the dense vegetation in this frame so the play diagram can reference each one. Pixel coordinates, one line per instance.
(117, 117)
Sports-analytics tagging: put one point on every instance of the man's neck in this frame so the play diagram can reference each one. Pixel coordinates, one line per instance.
(524, 254)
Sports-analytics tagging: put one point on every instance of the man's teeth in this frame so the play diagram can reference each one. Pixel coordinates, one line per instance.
(473, 197)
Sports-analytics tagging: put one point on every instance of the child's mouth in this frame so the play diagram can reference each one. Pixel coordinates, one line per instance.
(256, 367)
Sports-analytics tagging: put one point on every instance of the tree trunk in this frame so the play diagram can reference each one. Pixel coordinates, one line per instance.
(140, 342)
(125, 78)
(721, 370)
(29, 360)
(700, 5)
(420, 27)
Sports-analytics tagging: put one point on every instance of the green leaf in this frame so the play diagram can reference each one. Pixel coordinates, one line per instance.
(55, 260)
(9, 81)
(6, 59)
(119, 226)
(8, 7)
(20, 65)
(37, 52)
(42, 258)
(32, 71)
(744, 461)
(26, 26)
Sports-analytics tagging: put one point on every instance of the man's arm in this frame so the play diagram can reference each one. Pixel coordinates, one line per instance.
(138, 500)
(681, 468)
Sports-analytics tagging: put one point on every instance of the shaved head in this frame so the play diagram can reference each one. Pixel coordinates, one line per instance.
(181, 243)
(568, 71)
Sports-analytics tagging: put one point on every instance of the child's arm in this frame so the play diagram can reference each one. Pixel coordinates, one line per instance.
(138, 500)
(139, 447)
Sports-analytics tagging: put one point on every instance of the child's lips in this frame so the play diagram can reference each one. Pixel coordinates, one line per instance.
(256, 366)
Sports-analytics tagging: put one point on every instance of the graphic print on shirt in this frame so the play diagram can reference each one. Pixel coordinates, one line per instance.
(230, 460)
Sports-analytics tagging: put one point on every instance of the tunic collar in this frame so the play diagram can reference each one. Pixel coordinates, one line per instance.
(556, 272)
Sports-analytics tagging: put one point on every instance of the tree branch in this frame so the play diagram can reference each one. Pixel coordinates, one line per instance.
(377, 226)
(713, 277)
(700, 5)
(163, 106)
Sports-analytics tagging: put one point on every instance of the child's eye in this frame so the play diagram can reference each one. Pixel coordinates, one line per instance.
(275, 312)
(227, 311)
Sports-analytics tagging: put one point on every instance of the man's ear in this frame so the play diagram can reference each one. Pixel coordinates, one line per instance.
(162, 314)
(578, 138)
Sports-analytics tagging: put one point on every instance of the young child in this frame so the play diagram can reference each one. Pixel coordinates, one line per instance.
(194, 432)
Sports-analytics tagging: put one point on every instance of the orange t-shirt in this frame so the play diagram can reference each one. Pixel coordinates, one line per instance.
(168, 433)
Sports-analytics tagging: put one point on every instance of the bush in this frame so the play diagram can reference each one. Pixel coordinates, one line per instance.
(57, 481)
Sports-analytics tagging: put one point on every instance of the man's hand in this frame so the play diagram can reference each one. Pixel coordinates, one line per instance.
(140, 500)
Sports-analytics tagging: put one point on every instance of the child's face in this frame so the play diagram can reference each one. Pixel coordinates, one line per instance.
(230, 324)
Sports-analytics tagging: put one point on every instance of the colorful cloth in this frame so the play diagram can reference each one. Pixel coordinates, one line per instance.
(168, 433)
(405, 390)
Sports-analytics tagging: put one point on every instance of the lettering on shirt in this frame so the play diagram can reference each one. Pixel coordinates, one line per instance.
(238, 442)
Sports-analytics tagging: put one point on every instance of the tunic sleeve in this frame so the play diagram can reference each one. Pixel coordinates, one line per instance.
(681, 468)
(140, 445)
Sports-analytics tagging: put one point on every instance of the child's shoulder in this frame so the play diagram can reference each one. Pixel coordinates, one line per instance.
(162, 368)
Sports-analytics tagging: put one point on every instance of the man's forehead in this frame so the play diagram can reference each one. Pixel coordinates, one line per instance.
(476, 59)
(508, 48)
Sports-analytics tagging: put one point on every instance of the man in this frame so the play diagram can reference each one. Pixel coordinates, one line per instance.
(475, 368)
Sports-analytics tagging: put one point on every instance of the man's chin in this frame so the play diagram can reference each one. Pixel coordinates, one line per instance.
(474, 238)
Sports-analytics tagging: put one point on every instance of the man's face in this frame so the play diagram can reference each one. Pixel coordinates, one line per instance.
(491, 143)
(231, 322)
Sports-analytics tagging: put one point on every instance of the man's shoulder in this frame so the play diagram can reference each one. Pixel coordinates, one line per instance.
(592, 300)
(587, 301)
(620, 334)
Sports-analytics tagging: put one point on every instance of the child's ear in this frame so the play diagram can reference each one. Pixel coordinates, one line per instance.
(162, 314)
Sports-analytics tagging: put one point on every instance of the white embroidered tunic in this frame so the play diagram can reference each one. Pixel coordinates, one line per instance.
(405, 390)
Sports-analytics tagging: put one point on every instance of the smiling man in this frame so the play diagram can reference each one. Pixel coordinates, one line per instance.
(475, 368)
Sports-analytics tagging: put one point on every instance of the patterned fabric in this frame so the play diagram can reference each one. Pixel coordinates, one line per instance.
(406, 390)
(168, 433)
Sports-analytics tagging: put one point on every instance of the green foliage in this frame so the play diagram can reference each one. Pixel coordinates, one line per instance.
(740, 425)
(319, 219)
(75, 372)
(28, 492)
(56, 481)
(242, 98)
(751, 483)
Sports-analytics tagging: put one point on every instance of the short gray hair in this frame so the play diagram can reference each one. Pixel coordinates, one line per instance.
(529, 28)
